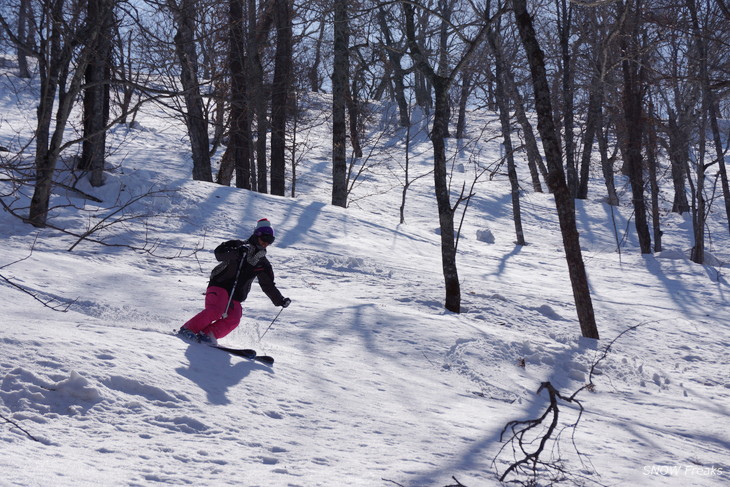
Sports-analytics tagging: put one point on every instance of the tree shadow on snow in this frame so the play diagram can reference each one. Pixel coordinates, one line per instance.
(215, 371)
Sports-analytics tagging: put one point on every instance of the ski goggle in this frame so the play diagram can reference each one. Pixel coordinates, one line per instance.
(269, 239)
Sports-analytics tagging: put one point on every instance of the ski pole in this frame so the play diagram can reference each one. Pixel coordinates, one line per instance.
(235, 283)
(270, 324)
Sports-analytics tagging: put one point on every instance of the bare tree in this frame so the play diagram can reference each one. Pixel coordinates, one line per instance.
(556, 177)
(279, 93)
(184, 15)
(564, 25)
(633, 67)
(709, 110)
(96, 92)
(652, 147)
(503, 98)
(496, 42)
(66, 44)
(239, 147)
(441, 82)
(599, 32)
(26, 37)
(339, 92)
(260, 21)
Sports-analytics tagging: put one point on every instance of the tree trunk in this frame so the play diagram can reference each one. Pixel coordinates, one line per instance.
(240, 130)
(464, 91)
(339, 92)
(54, 64)
(353, 112)
(439, 132)
(709, 107)
(124, 69)
(700, 217)
(699, 210)
(595, 101)
(556, 177)
(315, 81)
(633, 122)
(606, 162)
(195, 119)
(652, 163)
(511, 170)
(678, 151)
(49, 66)
(258, 28)
(96, 95)
(565, 15)
(534, 159)
(279, 91)
(25, 37)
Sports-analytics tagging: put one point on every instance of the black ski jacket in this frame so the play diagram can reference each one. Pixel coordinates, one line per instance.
(252, 262)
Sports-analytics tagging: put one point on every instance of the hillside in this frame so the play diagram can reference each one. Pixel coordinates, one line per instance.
(375, 384)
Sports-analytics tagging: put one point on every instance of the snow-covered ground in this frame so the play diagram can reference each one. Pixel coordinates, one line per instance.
(375, 384)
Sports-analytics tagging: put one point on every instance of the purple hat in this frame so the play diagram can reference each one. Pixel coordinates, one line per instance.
(264, 230)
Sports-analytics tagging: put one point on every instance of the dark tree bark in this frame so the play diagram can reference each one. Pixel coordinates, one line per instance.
(599, 43)
(339, 93)
(259, 24)
(51, 60)
(195, 118)
(124, 75)
(353, 117)
(594, 115)
(464, 90)
(509, 154)
(25, 38)
(96, 93)
(633, 98)
(534, 159)
(652, 165)
(700, 212)
(240, 127)
(315, 80)
(502, 97)
(606, 162)
(556, 177)
(565, 16)
(279, 93)
(678, 132)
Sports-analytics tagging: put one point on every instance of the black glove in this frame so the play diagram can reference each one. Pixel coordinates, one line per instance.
(286, 303)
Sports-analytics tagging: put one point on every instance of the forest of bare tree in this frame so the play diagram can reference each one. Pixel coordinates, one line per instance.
(583, 88)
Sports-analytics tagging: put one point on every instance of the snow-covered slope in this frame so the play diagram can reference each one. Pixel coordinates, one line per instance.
(374, 383)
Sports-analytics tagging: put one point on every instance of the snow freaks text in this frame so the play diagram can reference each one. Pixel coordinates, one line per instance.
(683, 470)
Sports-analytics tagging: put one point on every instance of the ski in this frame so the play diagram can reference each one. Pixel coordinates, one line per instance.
(238, 352)
(246, 353)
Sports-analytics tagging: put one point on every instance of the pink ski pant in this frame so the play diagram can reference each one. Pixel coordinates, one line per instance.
(210, 320)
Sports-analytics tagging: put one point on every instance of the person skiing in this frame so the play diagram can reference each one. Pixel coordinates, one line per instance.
(230, 282)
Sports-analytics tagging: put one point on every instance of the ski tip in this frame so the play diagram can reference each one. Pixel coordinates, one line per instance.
(265, 359)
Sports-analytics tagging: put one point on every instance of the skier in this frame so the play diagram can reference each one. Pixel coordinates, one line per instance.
(241, 262)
